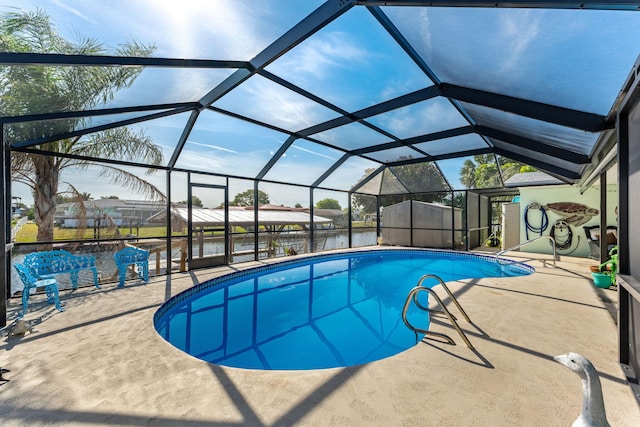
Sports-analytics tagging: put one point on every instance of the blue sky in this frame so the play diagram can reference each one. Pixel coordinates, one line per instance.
(576, 59)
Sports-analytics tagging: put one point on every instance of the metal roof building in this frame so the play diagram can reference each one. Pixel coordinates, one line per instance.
(240, 217)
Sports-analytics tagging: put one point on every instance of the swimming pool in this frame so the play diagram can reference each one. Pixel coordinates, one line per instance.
(316, 312)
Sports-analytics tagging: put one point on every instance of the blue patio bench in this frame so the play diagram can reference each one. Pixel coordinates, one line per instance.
(48, 264)
(133, 256)
(31, 283)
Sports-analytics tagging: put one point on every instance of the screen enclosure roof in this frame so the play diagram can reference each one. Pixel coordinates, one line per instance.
(339, 95)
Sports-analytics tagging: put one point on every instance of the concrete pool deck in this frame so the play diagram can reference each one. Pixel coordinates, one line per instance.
(101, 363)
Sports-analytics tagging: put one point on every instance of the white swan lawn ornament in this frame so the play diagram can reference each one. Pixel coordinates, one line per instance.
(593, 413)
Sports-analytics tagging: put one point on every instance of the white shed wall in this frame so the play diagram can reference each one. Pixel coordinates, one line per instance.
(432, 224)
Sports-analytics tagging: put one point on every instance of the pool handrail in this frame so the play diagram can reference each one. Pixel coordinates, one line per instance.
(413, 296)
(553, 241)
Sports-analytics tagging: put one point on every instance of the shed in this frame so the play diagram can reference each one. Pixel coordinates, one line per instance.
(432, 224)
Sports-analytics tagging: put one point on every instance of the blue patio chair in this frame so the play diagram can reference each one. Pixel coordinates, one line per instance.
(135, 257)
(31, 282)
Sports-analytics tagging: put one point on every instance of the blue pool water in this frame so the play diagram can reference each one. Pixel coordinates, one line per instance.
(318, 312)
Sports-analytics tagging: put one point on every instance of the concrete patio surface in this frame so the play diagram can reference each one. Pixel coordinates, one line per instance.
(101, 363)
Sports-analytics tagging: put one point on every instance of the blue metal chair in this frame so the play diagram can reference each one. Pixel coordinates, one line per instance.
(135, 257)
(30, 282)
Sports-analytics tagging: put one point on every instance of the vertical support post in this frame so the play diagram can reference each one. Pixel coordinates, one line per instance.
(624, 267)
(350, 227)
(378, 225)
(604, 252)
(312, 228)
(256, 224)
(453, 221)
(169, 228)
(5, 215)
(479, 225)
(226, 215)
(466, 220)
(411, 220)
(489, 216)
(228, 230)
(189, 221)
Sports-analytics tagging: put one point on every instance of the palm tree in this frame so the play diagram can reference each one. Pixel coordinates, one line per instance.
(42, 89)
(484, 172)
(468, 174)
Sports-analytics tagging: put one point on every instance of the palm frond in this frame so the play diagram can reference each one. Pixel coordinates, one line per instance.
(21, 168)
(110, 227)
(120, 144)
(33, 30)
(67, 88)
(80, 209)
(133, 182)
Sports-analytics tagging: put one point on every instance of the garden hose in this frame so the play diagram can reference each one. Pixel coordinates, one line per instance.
(544, 221)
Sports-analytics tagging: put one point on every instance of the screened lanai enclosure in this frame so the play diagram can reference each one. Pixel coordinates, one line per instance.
(304, 126)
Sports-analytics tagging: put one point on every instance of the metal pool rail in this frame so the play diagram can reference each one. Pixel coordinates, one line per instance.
(413, 294)
(553, 241)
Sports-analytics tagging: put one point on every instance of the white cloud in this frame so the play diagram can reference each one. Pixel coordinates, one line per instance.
(292, 112)
(73, 11)
(196, 161)
(276, 105)
(426, 117)
(425, 29)
(320, 55)
(214, 147)
(519, 31)
(315, 153)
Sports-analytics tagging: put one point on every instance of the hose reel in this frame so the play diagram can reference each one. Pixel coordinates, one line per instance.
(563, 235)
